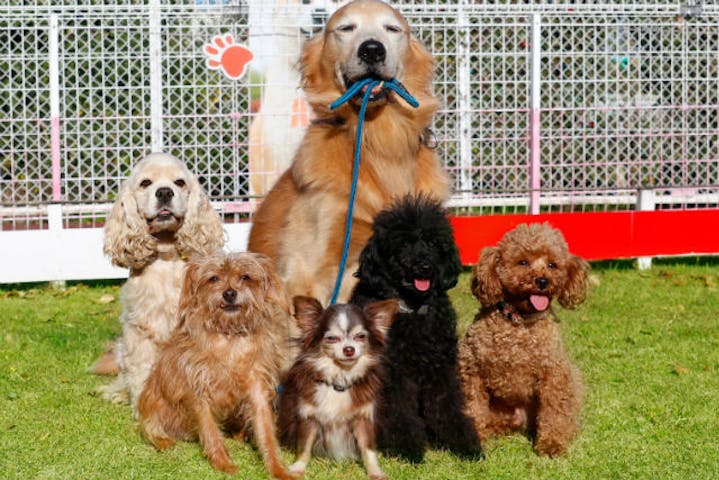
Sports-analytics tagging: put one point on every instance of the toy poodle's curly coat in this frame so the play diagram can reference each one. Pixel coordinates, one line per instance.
(412, 257)
(514, 371)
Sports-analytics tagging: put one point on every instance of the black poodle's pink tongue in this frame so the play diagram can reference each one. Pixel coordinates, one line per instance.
(422, 284)
(539, 302)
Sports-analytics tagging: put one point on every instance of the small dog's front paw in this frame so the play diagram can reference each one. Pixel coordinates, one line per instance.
(549, 448)
(223, 465)
(378, 476)
(113, 393)
(298, 468)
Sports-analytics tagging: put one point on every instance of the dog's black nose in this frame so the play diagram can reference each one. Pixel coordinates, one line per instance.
(348, 351)
(229, 296)
(371, 52)
(541, 282)
(164, 194)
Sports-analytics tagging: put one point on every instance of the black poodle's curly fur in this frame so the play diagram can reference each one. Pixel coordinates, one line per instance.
(421, 401)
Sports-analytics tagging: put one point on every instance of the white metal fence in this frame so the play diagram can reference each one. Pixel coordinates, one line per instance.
(622, 99)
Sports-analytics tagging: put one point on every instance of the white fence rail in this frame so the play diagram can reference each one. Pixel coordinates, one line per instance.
(547, 107)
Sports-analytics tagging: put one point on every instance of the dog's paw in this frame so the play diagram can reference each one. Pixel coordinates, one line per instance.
(549, 447)
(113, 393)
(378, 476)
(298, 468)
(223, 465)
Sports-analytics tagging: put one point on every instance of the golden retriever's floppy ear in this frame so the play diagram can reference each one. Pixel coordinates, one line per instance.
(419, 67)
(307, 311)
(128, 242)
(575, 288)
(201, 231)
(486, 285)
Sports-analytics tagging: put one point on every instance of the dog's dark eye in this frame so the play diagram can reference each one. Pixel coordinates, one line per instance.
(214, 278)
(332, 339)
(552, 265)
(524, 263)
(360, 337)
(146, 183)
(245, 277)
(349, 27)
(180, 182)
(393, 28)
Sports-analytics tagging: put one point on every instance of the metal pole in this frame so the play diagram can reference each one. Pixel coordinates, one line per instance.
(464, 104)
(54, 73)
(534, 115)
(155, 28)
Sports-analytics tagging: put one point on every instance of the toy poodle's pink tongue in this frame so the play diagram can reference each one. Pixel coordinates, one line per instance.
(421, 284)
(539, 302)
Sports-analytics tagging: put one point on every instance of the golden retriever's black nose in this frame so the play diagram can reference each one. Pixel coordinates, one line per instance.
(164, 194)
(541, 282)
(229, 296)
(371, 52)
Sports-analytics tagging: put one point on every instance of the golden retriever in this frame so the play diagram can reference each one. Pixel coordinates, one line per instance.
(301, 222)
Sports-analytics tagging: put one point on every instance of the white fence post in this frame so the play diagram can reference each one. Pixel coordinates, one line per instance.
(464, 103)
(155, 28)
(645, 202)
(535, 180)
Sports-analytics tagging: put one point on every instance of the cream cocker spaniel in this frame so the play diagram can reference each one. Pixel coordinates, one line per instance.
(160, 217)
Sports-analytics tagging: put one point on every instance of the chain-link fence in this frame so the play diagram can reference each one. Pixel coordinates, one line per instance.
(623, 99)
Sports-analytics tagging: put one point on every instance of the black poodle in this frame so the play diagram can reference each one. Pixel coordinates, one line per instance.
(412, 257)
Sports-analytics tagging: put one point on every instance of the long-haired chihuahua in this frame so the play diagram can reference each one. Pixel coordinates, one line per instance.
(220, 368)
(328, 403)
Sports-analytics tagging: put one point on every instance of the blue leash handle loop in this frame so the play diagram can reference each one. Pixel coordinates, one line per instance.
(371, 83)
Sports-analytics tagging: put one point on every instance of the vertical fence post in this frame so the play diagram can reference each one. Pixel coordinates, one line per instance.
(54, 74)
(534, 114)
(155, 30)
(464, 102)
(645, 202)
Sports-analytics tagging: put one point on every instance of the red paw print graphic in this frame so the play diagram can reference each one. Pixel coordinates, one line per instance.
(230, 57)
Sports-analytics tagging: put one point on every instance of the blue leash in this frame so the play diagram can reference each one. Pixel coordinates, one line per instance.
(395, 86)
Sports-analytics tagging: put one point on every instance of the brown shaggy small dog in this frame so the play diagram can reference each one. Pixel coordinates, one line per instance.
(220, 367)
(515, 373)
(301, 222)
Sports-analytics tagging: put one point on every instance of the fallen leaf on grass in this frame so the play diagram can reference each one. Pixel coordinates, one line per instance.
(104, 300)
(679, 370)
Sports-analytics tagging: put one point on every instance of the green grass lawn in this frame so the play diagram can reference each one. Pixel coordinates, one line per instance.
(646, 342)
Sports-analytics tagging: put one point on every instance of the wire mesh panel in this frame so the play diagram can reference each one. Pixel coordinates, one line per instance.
(628, 101)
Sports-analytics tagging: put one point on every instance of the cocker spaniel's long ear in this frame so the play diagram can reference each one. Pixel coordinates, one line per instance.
(128, 242)
(575, 288)
(201, 231)
(486, 285)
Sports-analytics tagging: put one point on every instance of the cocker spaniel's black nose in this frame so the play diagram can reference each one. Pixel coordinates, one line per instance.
(164, 194)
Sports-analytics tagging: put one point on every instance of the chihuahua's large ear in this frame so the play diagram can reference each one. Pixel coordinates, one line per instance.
(307, 311)
(382, 314)
(575, 288)
(128, 242)
(486, 285)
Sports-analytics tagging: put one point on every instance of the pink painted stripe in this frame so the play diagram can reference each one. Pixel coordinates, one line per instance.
(534, 159)
(55, 155)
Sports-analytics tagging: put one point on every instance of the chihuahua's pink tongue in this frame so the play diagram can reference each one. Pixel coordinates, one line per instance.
(421, 284)
(539, 302)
